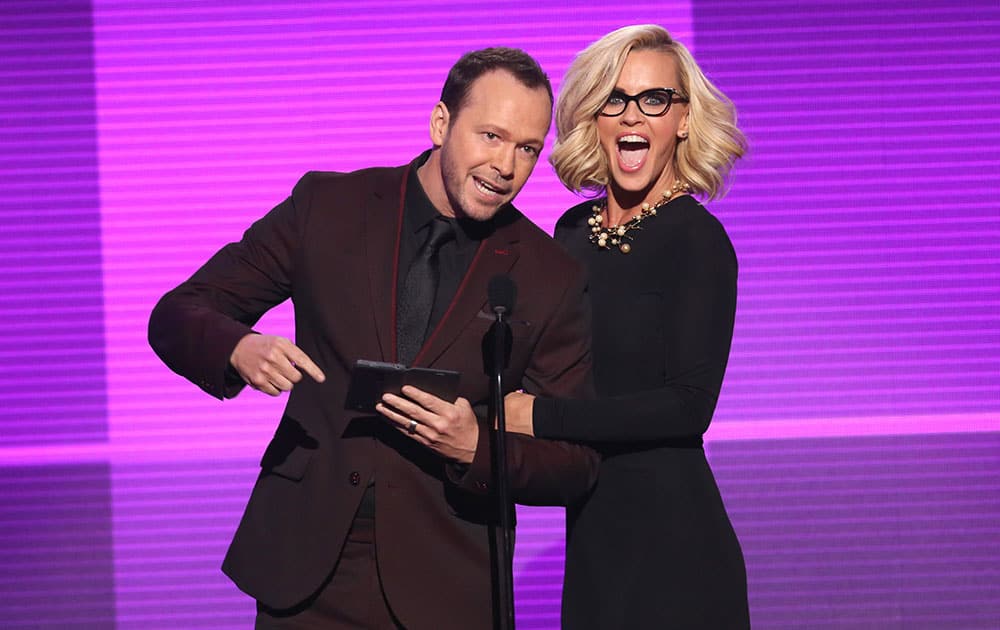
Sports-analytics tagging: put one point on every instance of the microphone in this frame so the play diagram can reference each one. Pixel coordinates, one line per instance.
(496, 355)
(497, 343)
(503, 294)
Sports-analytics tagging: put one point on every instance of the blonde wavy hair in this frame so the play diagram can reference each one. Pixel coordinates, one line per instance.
(702, 160)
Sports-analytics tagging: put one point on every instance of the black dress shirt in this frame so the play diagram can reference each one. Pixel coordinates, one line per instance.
(454, 257)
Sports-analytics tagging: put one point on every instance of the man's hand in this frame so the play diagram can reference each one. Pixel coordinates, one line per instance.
(449, 429)
(518, 409)
(272, 364)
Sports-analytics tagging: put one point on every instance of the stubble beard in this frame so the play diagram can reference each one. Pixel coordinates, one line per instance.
(456, 192)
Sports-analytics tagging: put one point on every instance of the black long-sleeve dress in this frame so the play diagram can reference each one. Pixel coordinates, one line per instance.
(652, 547)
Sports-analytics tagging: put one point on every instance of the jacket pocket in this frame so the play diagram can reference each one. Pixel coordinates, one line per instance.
(290, 451)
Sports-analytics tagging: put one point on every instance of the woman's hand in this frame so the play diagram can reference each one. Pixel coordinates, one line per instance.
(517, 409)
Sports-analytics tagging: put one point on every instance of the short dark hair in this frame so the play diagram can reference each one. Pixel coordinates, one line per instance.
(476, 63)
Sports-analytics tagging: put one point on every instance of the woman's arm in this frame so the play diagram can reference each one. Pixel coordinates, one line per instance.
(698, 330)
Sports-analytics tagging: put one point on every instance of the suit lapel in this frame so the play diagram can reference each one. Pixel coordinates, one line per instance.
(496, 255)
(383, 221)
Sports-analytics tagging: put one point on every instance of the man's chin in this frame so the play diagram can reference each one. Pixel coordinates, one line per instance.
(480, 212)
(475, 207)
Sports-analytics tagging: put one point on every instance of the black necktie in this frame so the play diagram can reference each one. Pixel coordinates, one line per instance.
(416, 300)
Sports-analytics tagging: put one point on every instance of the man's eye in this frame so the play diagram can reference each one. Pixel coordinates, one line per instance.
(489, 135)
(530, 150)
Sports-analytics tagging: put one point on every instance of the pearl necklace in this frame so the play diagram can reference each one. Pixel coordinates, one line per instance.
(617, 235)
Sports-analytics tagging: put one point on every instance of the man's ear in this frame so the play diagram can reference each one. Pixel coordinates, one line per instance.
(440, 118)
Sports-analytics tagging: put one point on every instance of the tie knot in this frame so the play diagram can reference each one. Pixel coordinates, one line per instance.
(441, 232)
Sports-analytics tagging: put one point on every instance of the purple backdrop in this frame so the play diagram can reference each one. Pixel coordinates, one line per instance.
(857, 440)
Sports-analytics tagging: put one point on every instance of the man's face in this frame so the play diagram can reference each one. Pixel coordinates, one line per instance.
(490, 146)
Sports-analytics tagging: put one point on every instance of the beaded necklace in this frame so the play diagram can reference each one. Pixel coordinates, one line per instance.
(618, 235)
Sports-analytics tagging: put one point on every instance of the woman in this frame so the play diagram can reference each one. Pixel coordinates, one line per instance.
(652, 547)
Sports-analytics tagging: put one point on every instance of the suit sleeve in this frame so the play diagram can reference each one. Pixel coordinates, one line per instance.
(542, 471)
(698, 331)
(195, 327)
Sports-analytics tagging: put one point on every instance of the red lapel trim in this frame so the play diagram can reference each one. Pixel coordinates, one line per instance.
(395, 260)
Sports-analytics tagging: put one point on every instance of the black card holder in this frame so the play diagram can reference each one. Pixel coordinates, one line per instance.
(371, 379)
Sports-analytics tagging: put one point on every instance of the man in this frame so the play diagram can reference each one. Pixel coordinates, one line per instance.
(361, 520)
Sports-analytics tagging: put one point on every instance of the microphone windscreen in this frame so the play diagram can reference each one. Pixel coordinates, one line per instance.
(503, 293)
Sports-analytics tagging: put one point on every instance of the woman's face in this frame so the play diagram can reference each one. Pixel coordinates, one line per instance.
(640, 148)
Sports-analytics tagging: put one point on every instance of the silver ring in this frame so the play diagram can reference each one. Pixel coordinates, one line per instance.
(413, 426)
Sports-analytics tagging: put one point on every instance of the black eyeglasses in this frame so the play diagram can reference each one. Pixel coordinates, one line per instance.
(655, 102)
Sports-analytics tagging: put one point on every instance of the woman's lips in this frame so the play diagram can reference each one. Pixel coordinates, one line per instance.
(632, 151)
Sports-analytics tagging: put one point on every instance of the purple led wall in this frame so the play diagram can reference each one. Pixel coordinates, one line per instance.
(866, 217)
(857, 440)
(50, 245)
(56, 554)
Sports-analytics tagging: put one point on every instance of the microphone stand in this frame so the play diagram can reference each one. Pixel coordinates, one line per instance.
(500, 333)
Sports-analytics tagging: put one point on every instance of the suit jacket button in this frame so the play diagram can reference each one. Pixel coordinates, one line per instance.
(355, 478)
(482, 485)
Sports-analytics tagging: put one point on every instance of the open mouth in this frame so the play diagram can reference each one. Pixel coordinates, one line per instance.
(489, 189)
(632, 151)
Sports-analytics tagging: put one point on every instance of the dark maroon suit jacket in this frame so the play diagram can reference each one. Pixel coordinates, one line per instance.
(332, 248)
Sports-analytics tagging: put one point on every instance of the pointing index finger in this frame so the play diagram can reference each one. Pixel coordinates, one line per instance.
(305, 364)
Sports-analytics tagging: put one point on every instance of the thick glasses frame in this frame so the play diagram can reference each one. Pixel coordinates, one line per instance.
(671, 98)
